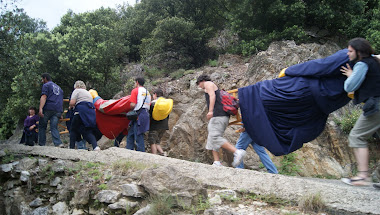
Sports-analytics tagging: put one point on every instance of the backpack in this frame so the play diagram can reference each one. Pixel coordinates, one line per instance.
(230, 103)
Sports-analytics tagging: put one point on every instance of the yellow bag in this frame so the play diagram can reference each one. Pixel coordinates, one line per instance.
(162, 108)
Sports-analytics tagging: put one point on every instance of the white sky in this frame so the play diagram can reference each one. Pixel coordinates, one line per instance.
(51, 11)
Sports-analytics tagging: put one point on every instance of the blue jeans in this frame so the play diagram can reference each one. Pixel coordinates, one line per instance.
(81, 144)
(118, 139)
(244, 141)
(53, 116)
(132, 137)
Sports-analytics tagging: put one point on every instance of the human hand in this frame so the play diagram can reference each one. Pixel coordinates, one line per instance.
(31, 127)
(347, 71)
(40, 113)
(209, 115)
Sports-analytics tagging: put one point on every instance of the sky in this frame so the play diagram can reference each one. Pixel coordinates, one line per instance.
(51, 11)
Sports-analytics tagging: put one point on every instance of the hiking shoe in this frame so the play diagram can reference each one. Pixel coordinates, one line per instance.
(376, 185)
(356, 181)
(238, 157)
(217, 163)
(97, 148)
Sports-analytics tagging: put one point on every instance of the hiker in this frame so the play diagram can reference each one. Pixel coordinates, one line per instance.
(84, 119)
(140, 102)
(243, 142)
(218, 122)
(51, 108)
(30, 135)
(364, 80)
(284, 113)
(160, 109)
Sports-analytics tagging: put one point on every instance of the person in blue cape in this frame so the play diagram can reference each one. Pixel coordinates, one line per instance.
(284, 113)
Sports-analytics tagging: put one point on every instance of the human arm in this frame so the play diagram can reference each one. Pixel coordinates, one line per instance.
(133, 98)
(355, 76)
(42, 104)
(209, 89)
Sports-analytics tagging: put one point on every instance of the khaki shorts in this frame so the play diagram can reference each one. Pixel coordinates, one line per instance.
(155, 136)
(216, 128)
(364, 128)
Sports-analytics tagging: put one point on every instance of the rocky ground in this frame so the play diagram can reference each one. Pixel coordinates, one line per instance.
(227, 190)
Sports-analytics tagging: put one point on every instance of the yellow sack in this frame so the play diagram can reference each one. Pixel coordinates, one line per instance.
(162, 108)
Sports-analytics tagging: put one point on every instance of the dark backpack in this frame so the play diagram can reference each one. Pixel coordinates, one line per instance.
(230, 103)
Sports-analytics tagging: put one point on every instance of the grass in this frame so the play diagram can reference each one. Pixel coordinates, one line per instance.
(347, 121)
(103, 186)
(289, 165)
(8, 158)
(312, 203)
(270, 199)
(123, 167)
(161, 205)
(213, 63)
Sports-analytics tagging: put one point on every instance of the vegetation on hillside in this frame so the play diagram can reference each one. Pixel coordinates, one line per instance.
(166, 35)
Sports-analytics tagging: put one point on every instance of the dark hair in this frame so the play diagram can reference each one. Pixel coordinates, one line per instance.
(32, 108)
(159, 92)
(140, 80)
(47, 76)
(362, 47)
(203, 78)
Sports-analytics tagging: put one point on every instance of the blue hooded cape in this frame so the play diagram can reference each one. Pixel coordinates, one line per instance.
(284, 113)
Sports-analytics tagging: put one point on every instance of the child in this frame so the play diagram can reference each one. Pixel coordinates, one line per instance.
(30, 127)
(159, 126)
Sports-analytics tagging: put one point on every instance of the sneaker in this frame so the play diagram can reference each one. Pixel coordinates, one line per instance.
(376, 185)
(97, 148)
(217, 163)
(357, 181)
(61, 146)
(238, 157)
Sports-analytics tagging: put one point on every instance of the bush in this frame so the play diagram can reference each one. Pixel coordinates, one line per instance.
(312, 202)
(348, 120)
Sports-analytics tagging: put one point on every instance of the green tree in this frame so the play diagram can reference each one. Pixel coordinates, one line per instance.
(90, 49)
(175, 43)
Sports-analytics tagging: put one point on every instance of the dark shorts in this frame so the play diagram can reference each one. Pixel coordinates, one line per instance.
(155, 136)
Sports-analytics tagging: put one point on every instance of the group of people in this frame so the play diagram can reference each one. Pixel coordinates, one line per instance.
(280, 114)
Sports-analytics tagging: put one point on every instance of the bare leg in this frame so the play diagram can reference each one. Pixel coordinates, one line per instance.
(159, 149)
(228, 146)
(362, 155)
(153, 148)
(215, 154)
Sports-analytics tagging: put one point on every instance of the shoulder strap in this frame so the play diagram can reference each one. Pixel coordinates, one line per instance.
(146, 94)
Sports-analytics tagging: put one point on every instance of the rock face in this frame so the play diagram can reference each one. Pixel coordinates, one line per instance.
(328, 155)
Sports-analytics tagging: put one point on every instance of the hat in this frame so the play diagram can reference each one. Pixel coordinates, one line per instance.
(162, 108)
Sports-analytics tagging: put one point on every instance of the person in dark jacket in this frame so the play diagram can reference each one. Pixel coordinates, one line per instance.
(364, 80)
(84, 119)
(30, 127)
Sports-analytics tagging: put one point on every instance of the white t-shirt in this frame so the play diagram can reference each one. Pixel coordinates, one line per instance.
(81, 95)
(140, 93)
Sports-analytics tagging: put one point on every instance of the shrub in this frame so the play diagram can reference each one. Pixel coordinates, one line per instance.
(161, 205)
(289, 164)
(312, 202)
(348, 120)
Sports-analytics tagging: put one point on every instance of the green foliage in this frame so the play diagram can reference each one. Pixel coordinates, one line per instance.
(103, 186)
(213, 63)
(161, 205)
(175, 43)
(201, 205)
(289, 165)
(8, 158)
(312, 202)
(177, 74)
(347, 121)
(123, 167)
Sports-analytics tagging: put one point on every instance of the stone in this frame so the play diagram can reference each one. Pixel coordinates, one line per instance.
(143, 211)
(122, 204)
(41, 211)
(55, 182)
(2, 153)
(81, 197)
(24, 176)
(58, 166)
(11, 184)
(36, 203)
(26, 164)
(42, 162)
(108, 196)
(216, 200)
(60, 209)
(78, 212)
(168, 179)
(227, 194)
(132, 190)
(6, 168)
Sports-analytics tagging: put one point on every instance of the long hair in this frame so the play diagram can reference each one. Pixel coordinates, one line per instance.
(362, 47)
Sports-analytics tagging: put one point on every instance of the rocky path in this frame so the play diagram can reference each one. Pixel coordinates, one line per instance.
(339, 197)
